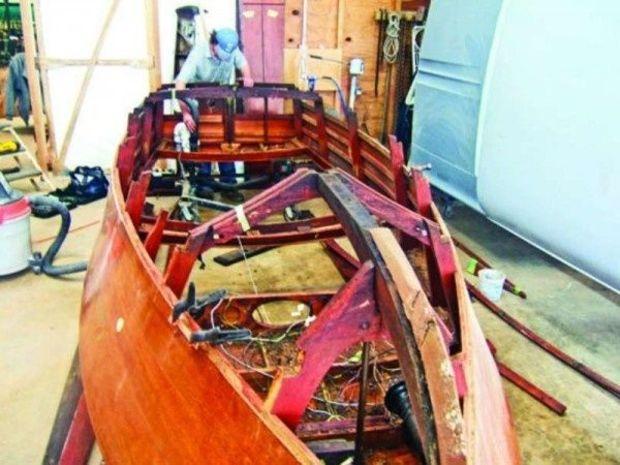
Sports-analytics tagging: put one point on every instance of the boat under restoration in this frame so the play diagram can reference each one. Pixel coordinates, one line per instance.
(384, 363)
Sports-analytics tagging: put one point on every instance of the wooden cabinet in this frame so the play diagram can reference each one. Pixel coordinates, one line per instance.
(262, 26)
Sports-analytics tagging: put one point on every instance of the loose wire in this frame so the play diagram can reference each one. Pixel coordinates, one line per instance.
(247, 265)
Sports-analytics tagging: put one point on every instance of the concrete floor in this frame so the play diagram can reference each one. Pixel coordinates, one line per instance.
(39, 322)
(574, 313)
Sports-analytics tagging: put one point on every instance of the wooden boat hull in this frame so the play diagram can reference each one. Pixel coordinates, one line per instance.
(153, 398)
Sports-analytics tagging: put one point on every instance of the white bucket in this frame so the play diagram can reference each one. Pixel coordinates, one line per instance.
(15, 248)
(491, 283)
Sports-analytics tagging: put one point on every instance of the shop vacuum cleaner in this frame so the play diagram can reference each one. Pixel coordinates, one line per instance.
(15, 244)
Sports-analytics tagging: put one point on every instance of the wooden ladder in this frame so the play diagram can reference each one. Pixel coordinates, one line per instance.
(30, 170)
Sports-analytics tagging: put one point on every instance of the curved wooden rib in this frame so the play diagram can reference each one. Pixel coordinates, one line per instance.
(349, 318)
(426, 330)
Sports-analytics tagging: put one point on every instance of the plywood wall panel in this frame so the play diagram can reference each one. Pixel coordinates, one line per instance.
(315, 67)
(322, 23)
(358, 38)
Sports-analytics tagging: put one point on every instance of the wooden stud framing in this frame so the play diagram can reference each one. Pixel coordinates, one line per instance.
(152, 43)
(36, 99)
(47, 63)
(340, 29)
(47, 100)
(85, 82)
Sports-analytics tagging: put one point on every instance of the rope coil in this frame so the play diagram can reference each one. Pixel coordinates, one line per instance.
(391, 45)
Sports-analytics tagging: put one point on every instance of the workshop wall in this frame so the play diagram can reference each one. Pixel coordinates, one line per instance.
(70, 30)
(340, 29)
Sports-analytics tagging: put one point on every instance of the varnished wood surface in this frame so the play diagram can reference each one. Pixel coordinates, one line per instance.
(490, 435)
(153, 399)
(437, 366)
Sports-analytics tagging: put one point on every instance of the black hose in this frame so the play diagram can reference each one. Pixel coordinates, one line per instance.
(397, 401)
(343, 103)
(44, 263)
(254, 183)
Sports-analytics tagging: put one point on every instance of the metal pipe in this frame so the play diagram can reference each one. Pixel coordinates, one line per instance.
(353, 92)
(44, 263)
(341, 99)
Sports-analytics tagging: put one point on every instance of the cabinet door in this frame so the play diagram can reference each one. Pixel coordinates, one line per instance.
(262, 23)
(252, 38)
(273, 42)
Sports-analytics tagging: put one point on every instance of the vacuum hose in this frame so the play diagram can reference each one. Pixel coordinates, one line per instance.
(43, 263)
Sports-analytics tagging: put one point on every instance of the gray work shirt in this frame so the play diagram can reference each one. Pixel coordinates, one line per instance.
(202, 66)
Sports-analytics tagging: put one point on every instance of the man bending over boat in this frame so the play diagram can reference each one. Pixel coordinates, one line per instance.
(214, 62)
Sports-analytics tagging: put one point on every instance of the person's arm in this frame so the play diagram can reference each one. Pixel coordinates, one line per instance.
(188, 70)
(188, 119)
(248, 81)
(241, 63)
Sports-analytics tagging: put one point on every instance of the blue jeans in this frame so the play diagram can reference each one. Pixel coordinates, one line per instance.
(227, 171)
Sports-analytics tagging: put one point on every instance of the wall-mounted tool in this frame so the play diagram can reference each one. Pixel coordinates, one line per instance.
(390, 51)
(395, 46)
(356, 69)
